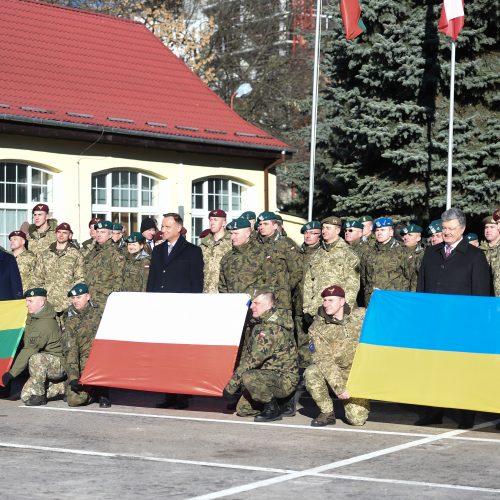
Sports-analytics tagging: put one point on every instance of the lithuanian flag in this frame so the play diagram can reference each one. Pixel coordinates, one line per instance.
(12, 320)
(428, 349)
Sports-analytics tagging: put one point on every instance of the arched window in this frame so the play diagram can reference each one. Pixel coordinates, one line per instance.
(212, 194)
(21, 187)
(125, 196)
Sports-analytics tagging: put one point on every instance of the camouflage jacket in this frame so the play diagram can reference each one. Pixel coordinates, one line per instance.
(57, 271)
(414, 256)
(385, 267)
(135, 272)
(213, 251)
(26, 263)
(80, 330)
(493, 257)
(359, 247)
(298, 295)
(103, 269)
(271, 347)
(284, 262)
(87, 246)
(243, 269)
(333, 344)
(333, 264)
(41, 334)
(38, 242)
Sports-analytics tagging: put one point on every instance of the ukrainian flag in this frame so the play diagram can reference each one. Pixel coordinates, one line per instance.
(12, 320)
(429, 349)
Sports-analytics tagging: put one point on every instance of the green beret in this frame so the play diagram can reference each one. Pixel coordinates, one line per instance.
(353, 223)
(435, 227)
(238, 224)
(488, 220)
(472, 237)
(117, 227)
(134, 238)
(411, 228)
(78, 289)
(104, 224)
(267, 216)
(366, 218)
(249, 215)
(335, 221)
(313, 224)
(35, 292)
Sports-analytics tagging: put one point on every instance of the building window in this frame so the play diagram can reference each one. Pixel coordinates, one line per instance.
(125, 196)
(21, 187)
(212, 194)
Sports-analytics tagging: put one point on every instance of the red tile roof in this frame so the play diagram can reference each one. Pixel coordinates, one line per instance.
(72, 68)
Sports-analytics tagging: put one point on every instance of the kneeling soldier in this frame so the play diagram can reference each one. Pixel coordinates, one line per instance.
(268, 368)
(42, 352)
(334, 336)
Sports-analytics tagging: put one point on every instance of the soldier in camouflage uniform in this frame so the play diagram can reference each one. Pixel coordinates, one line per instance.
(103, 266)
(137, 262)
(252, 218)
(213, 247)
(89, 244)
(25, 258)
(412, 238)
(353, 235)
(81, 326)
(384, 265)
(334, 262)
(435, 232)
(491, 249)
(334, 337)
(117, 237)
(368, 238)
(42, 232)
(58, 268)
(268, 368)
(42, 352)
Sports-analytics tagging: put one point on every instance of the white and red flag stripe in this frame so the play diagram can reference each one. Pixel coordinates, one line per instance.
(167, 342)
(451, 21)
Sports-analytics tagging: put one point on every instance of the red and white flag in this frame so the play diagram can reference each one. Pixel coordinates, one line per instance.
(167, 342)
(451, 21)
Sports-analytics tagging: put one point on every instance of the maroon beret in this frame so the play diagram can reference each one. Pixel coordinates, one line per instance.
(496, 215)
(18, 233)
(333, 291)
(158, 236)
(217, 213)
(64, 226)
(94, 221)
(41, 207)
(204, 233)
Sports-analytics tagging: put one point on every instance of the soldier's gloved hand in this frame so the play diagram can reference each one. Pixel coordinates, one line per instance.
(229, 397)
(6, 378)
(307, 321)
(75, 386)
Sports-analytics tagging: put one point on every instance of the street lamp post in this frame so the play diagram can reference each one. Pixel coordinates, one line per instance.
(243, 90)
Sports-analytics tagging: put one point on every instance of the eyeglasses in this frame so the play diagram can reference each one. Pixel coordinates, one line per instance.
(351, 230)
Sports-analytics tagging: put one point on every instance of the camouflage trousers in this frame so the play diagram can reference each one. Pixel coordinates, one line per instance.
(46, 373)
(81, 398)
(260, 387)
(302, 340)
(356, 410)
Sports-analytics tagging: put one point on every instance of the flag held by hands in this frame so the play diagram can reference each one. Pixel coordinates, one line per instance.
(451, 21)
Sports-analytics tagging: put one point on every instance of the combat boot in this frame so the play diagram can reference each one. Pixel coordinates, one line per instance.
(271, 412)
(324, 419)
(36, 400)
(288, 406)
(104, 402)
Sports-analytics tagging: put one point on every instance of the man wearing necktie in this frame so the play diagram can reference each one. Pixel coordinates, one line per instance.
(456, 268)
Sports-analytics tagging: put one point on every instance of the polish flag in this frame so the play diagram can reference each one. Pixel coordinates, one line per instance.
(167, 342)
(451, 21)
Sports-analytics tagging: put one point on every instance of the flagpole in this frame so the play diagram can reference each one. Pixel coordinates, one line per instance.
(450, 126)
(314, 117)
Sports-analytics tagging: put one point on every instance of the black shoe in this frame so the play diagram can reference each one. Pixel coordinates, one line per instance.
(36, 401)
(169, 402)
(288, 407)
(324, 419)
(433, 418)
(270, 413)
(466, 420)
(104, 402)
(182, 402)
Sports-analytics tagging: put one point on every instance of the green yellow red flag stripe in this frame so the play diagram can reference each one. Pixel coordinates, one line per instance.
(12, 320)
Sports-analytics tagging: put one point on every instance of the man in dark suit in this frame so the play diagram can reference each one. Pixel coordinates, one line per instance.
(453, 267)
(10, 279)
(176, 267)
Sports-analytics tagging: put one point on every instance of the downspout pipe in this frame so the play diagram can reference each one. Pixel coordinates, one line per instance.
(267, 169)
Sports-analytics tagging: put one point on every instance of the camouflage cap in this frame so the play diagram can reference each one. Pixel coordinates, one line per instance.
(135, 237)
(333, 220)
(435, 227)
(117, 226)
(22, 234)
(267, 216)
(78, 289)
(35, 292)
(496, 215)
(366, 218)
(64, 226)
(94, 221)
(383, 222)
(217, 213)
(249, 215)
(313, 224)
(411, 228)
(104, 224)
(488, 220)
(238, 224)
(41, 207)
(356, 224)
(472, 237)
(333, 291)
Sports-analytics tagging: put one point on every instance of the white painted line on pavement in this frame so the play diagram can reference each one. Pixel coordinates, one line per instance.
(333, 465)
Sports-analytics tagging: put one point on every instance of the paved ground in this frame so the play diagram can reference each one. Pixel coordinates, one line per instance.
(136, 450)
